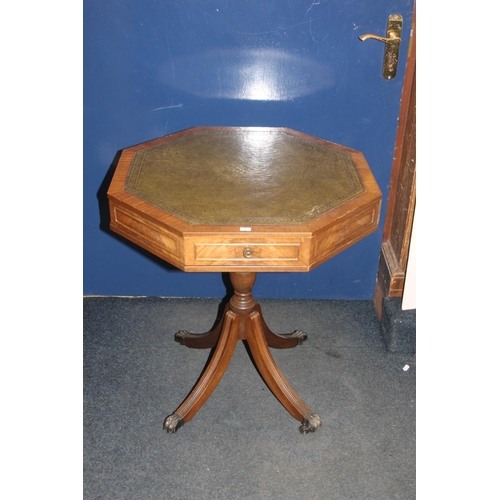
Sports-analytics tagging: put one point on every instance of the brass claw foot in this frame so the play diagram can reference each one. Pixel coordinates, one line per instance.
(300, 335)
(180, 336)
(310, 423)
(172, 423)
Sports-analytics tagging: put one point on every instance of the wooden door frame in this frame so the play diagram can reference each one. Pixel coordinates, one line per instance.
(402, 192)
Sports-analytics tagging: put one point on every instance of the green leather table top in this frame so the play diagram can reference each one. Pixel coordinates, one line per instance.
(243, 176)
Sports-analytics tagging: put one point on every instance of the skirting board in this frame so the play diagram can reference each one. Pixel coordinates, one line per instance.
(398, 326)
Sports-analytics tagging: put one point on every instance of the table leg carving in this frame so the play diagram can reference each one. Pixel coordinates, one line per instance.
(281, 340)
(242, 320)
(201, 340)
(275, 380)
(210, 377)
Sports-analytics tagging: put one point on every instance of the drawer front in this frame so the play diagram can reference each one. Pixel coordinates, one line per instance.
(339, 238)
(145, 233)
(245, 253)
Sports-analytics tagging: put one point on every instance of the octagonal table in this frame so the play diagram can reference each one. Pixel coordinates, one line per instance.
(243, 200)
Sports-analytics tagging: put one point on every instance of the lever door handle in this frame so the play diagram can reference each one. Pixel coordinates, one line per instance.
(392, 37)
(392, 42)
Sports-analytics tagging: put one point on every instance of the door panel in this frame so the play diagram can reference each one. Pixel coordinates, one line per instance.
(152, 68)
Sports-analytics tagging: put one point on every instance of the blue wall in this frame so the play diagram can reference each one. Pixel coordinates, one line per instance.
(156, 67)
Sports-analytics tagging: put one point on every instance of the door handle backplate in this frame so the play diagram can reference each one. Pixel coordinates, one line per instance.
(392, 42)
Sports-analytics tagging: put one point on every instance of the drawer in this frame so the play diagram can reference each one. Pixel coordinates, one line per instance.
(145, 233)
(342, 236)
(245, 252)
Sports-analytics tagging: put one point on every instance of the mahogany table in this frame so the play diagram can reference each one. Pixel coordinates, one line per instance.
(243, 200)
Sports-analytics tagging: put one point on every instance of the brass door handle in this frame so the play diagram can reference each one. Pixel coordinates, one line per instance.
(392, 37)
(392, 42)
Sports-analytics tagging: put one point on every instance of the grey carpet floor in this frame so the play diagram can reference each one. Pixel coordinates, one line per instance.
(243, 444)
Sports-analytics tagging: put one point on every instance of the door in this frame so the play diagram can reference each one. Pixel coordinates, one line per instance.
(156, 67)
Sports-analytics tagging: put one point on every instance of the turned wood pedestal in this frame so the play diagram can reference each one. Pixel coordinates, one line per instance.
(242, 320)
(243, 201)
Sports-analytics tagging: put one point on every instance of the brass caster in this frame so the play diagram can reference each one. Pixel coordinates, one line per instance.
(180, 336)
(172, 423)
(302, 336)
(310, 423)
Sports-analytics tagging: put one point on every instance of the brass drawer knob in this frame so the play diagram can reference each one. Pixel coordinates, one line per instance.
(247, 253)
